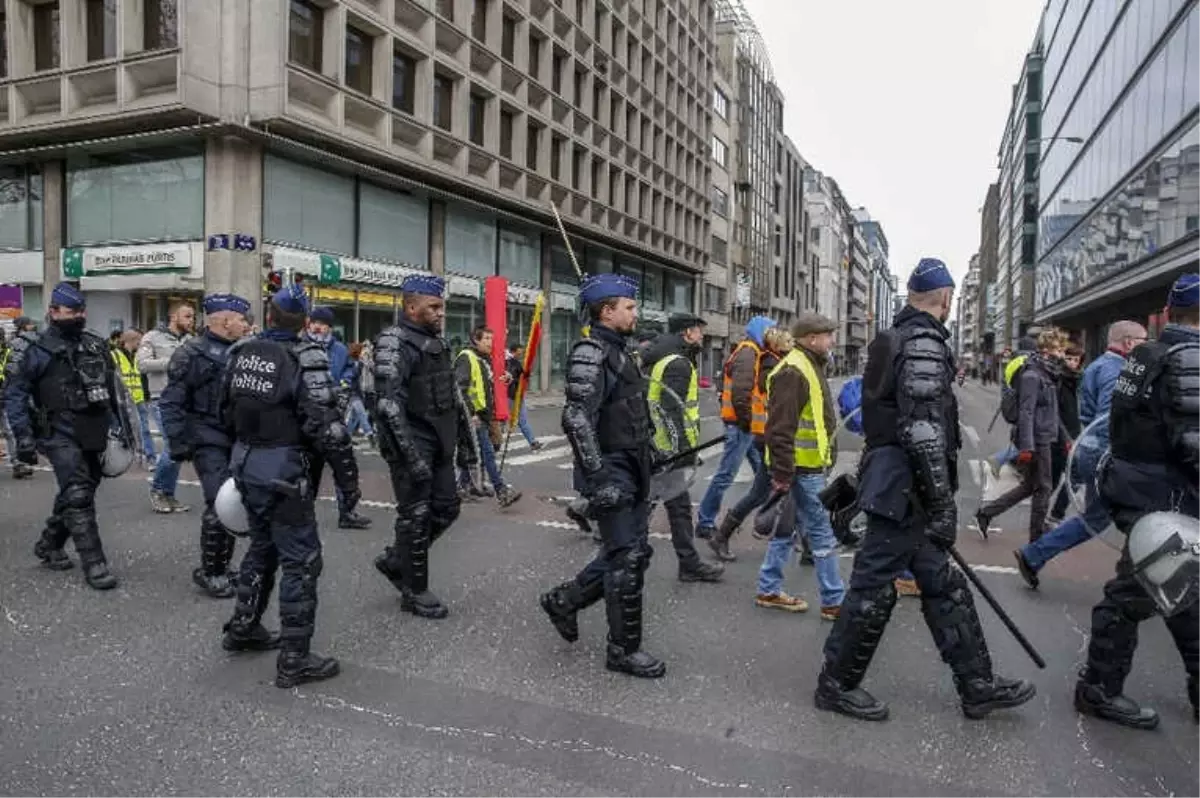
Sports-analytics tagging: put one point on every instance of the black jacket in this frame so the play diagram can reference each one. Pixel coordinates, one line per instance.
(1037, 394)
(1068, 405)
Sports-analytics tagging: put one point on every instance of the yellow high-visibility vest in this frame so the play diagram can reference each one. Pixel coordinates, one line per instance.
(477, 390)
(129, 374)
(812, 438)
(691, 405)
(1011, 369)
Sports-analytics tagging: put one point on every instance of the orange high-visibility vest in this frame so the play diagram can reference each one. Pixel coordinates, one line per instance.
(758, 403)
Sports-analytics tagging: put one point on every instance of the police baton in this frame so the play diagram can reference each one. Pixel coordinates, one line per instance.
(664, 465)
(987, 595)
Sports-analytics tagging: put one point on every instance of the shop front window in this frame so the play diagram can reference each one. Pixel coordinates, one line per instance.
(461, 317)
(562, 270)
(20, 208)
(564, 331)
(470, 242)
(520, 254)
(393, 226)
(135, 197)
(307, 207)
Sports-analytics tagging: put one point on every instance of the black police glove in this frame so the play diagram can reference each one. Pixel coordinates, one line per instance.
(608, 499)
(26, 451)
(942, 525)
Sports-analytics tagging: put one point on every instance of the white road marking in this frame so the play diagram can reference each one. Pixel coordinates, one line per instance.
(972, 434)
(537, 457)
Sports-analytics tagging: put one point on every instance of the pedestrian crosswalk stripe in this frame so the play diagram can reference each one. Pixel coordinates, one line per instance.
(537, 457)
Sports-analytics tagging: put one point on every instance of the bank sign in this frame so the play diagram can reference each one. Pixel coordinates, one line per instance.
(93, 262)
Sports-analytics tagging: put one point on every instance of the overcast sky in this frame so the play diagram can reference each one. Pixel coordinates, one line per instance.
(903, 102)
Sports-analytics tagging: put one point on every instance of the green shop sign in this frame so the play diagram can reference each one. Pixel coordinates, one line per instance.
(80, 262)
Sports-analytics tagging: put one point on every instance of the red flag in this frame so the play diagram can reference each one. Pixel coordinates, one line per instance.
(531, 348)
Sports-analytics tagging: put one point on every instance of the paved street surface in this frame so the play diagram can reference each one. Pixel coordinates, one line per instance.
(128, 692)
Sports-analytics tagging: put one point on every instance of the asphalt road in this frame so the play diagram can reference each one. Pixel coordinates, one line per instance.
(128, 692)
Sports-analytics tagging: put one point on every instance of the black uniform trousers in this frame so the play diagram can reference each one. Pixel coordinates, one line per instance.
(683, 531)
(888, 549)
(74, 515)
(279, 502)
(618, 570)
(1036, 485)
(424, 511)
(216, 544)
(316, 470)
(1115, 623)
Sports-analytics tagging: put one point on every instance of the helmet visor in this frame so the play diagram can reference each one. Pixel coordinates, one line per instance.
(1171, 576)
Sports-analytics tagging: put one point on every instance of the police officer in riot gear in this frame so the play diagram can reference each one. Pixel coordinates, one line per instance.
(61, 402)
(24, 334)
(419, 418)
(607, 420)
(1155, 444)
(278, 399)
(908, 479)
(191, 414)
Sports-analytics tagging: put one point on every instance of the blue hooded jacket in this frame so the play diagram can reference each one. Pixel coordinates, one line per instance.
(757, 327)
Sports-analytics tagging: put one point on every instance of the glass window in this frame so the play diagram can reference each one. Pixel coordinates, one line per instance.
(305, 23)
(651, 293)
(562, 271)
(478, 110)
(307, 207)
(535, 55)
(45, 36)
(720, 250)
(443, 101)
(101, 29)
(1191, 74)
(3, 44)
(520, 256)
(393, 226)
(531, 146)
(470, 242)
(506, 134)
(1174, 101)
(720, 104)
(680, 293)
(720, 152)
(20, 208)
(404, 81)
(135, 197)
(358, 60)
(508, 38)
(1156, 84)
(161, 24)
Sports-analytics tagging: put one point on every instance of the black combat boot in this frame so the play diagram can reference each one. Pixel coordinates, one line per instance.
(848, 653)
(297, 665)
(216, 550)
(98, 577)
(954, 622)
(52, 558)
(424, 605)
(352, 520)
(981, 697)
(22, 471)
(256, 637)
(719, 542)
(508, 495)
(1091, 698)
(623, 605)
(701, 572)
(562, 605)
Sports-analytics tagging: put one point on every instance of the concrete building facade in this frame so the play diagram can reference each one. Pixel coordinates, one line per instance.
(989, 232)
(791, 281)
(881, 282)
(154, 149)
(720, 284)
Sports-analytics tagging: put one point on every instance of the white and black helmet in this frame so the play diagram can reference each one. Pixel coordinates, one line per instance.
(1165, 550)
(117, 457)
(230, 510)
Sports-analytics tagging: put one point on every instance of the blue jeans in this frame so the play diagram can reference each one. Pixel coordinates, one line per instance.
(1077, 529)
(147, 438)
(487, 453)
(738, 446)
(759, 492)
(813, 518)
(523, 424)
(356, 417)
(166, 472)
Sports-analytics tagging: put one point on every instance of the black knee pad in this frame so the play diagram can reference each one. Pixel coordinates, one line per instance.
(78, 497)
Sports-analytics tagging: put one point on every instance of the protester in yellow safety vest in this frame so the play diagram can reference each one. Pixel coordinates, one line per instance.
(743, 411)
(777, 343)
(473, 368)
(674, 397)
(801, 421)
(124, 355)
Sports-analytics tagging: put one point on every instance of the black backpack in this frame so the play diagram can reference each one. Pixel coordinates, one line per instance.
(1010, 404)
